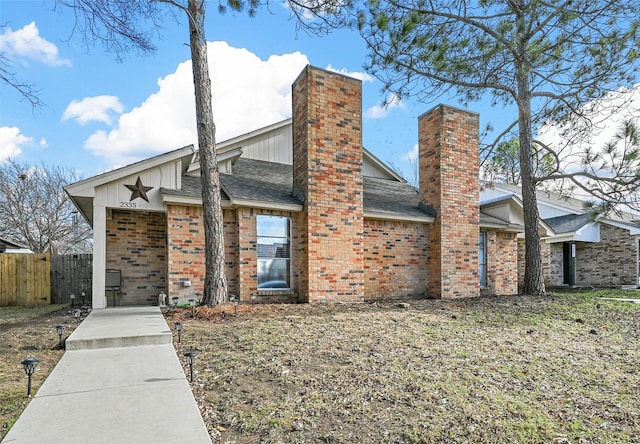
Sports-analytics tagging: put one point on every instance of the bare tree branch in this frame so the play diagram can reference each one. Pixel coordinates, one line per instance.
(26, 90)
(37, 213)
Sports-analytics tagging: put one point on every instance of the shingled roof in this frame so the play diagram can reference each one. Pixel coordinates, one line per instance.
(191, 187)
(258, 180)
(389, 196)
(569, 223)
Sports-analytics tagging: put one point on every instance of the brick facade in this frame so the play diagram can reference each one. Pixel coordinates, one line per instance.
(502, 265)
(395, 259)
(547, 266)
(448, 150)
(556, 271)
(231, 251)
(137, 246)
(185, 252)
(327, 174)
(248, 258)
(593, 259)
(336, 254)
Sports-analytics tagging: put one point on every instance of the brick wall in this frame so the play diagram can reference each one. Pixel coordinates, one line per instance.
(300, 130)
(547, 267)
(502, 263)
(186, 259)
(136, 245)
(231, 251)
(521, 264)
(395, 258)
(247, 253)
(556, 269)
(611, 262)
(448, 147)
(248, 258)
(327, 169)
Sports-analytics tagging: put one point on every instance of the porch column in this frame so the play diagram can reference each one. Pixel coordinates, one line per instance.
(99, 256)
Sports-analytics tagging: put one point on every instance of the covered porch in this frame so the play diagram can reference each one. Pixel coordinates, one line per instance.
(126, 210)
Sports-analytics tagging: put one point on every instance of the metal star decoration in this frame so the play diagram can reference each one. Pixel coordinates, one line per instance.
(139, 190)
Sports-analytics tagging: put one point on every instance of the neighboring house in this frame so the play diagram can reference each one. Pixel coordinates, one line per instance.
(310, 215)
(582, 250)
(11, 247)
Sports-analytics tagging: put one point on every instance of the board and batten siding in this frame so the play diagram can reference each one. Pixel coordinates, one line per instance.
(117, 195)
(273, 146)
(276, 146)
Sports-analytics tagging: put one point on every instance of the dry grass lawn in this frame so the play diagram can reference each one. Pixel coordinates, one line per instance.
(563, 368)
(27, 332)
(557, 369)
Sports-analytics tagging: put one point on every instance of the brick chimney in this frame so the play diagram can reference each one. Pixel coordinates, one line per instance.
(449, 182)
(327, 175)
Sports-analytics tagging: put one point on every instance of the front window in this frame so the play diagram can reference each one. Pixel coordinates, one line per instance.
(483, 259)
(274, 252)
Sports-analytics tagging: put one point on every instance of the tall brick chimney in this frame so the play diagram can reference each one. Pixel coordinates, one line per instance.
(327, 175)
(449, 182)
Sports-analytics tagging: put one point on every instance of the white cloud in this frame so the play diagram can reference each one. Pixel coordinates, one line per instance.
(362, 76)
(93, 109)
(26, 43)
(248, 93)
(381, 111)
(11, 142)
(43, 143)
(412, 155)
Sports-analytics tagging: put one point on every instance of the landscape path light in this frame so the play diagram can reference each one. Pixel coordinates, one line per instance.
(76, 314)
(234, 301)
(190, 356)
(29, 365)
(192, 302)
(60, 330)
(178, 326)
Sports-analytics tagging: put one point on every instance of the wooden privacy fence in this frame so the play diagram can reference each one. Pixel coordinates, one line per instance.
(71, 274)
(25, 279)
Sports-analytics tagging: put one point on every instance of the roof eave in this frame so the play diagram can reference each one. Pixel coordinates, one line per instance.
(398, 217)
(86, 187)
(266, 205)
(512, 228)
(383, 165)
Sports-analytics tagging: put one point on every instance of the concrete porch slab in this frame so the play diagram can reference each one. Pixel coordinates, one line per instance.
(120, 327)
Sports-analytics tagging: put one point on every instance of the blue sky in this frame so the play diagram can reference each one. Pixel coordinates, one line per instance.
(100, 113)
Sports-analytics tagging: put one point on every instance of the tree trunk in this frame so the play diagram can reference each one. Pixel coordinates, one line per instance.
(533, 273)
(215, 282)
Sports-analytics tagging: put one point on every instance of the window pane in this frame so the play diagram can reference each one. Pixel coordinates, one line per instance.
(270, 248)
(273, 226)
(274, 252)
(273, 273)
(483, 259)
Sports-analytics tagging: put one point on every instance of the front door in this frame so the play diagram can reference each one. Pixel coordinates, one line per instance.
(569, 263)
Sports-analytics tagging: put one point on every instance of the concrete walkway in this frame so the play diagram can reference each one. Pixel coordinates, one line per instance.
(120, 381)
(633, 301)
